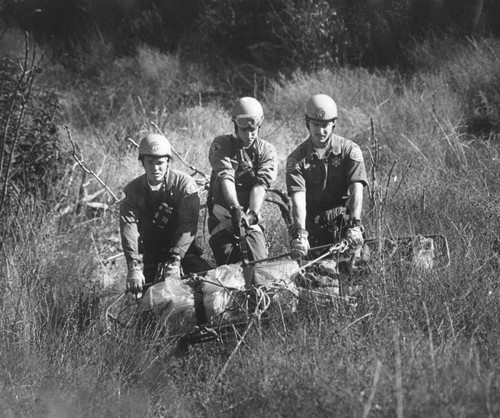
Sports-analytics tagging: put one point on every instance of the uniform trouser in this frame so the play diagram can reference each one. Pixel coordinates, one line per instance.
(226, 248)
(327, 227)
(330, 227)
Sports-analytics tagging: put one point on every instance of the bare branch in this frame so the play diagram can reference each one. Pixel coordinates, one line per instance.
(87, 170)
(135, 144)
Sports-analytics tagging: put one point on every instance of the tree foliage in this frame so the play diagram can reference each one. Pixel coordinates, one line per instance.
(276, 34)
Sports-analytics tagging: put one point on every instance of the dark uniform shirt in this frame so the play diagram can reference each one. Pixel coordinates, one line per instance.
(325, 180)
(245, 167)
(174, 233)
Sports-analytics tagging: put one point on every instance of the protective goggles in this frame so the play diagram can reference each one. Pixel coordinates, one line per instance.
(248, 122)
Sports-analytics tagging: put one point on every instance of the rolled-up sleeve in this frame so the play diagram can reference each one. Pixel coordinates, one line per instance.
(355, 166)
(219, 158)
(267, 170)
(295, 180)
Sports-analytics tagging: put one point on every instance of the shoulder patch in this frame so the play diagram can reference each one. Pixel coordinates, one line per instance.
(291, 164)
(356, 154)
(214, 149)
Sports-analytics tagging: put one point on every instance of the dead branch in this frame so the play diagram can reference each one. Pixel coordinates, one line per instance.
(87, 170)
(135, 144)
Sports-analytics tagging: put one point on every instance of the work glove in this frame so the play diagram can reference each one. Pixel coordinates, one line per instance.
(237, 216)
(354, 237)
(172, 268)
(250, 218)
(300, 244)
(135, 279)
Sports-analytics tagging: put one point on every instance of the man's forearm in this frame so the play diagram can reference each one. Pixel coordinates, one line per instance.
(188, 212)
(299, 211)
(229, 193)
(182, 244)
(355, 202)
(257, 196)
(129, 238)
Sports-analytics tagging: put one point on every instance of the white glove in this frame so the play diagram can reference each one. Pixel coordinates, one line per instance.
(172, 269)
(300, 244)
(354, 237)
(135, 280)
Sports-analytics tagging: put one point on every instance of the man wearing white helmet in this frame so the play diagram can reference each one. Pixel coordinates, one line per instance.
(159, 218)
(243, 168)
(325, 176)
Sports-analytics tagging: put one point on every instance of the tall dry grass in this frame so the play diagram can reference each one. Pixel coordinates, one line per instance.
(415, 344)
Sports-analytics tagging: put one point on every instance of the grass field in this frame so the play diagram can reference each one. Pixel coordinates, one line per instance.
(423, 344)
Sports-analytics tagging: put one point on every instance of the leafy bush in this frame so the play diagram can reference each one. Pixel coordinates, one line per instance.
(315, 34)
(30, 159)
(278, 34)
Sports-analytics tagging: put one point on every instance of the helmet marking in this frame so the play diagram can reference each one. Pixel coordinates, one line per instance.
(320, 113)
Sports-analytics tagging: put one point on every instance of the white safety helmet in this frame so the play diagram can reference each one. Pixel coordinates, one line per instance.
(321, 108)
(155, 145)
(247, 113)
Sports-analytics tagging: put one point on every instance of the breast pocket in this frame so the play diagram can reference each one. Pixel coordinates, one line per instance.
(314, 173)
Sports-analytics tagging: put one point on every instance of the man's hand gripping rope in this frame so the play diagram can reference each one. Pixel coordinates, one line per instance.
(335, 249)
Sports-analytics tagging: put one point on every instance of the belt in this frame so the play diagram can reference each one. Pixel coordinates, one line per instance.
(318, 207)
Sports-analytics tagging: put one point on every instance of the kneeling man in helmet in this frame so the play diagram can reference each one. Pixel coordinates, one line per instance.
(243, 168)
(159, 219)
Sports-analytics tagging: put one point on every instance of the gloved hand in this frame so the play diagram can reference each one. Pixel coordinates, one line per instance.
(300, 244)
(172, 268)
(250, 218)
(237, 215)
(135, 280)
(354, 237)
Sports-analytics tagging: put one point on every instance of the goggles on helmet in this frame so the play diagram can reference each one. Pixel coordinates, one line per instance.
(247, 122)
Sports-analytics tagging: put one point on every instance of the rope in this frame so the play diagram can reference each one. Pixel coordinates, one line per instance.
(335, 249)
(263, 300)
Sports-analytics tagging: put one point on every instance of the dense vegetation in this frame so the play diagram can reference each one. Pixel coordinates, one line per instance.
(418, 87)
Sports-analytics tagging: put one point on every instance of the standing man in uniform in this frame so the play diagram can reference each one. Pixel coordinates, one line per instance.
(159, 218)
(243, 168)
(325, 176)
